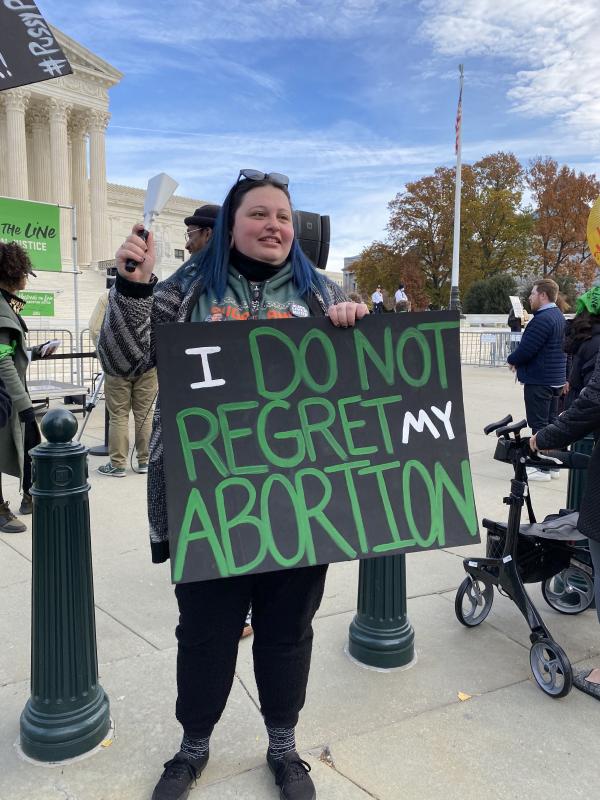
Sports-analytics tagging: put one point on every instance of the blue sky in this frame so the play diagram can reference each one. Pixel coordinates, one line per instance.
(350, 98)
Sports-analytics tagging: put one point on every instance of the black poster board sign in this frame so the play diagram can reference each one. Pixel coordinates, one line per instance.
(29, 51)
(291, 442)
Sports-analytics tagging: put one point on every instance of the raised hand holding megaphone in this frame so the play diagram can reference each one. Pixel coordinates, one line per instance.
(159, 192)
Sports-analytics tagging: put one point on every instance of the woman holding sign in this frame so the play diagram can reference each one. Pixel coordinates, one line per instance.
(253, 268)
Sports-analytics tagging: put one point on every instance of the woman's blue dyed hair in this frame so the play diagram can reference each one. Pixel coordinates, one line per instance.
(212, 261)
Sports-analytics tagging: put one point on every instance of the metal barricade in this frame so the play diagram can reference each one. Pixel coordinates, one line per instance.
(485, 348)
(60, 375)
(60, 370)
(90, 366)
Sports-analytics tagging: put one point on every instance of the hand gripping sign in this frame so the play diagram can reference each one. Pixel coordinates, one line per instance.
(290, 442)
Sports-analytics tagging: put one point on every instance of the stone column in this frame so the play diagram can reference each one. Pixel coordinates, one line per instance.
(29, 145)
(98, 195)
(59, 170)
(70, 164)
(41, 178)
(80, 188)
(15, 102)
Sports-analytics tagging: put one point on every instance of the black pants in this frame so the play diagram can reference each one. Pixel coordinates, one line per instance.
(541, 405)
(211, 618)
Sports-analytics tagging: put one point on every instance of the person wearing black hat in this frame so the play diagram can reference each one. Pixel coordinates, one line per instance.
(200, 227)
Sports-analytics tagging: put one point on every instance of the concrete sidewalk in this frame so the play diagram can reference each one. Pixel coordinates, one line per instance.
(367, 734)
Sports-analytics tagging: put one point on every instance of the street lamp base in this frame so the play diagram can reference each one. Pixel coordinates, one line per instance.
(56, 737)
(383, 648)
(455, 304)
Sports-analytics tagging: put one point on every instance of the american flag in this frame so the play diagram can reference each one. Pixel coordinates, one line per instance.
(458, 120)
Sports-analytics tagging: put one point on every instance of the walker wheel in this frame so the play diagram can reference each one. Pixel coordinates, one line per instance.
(473, 603)
(551, 668)
(570, 591)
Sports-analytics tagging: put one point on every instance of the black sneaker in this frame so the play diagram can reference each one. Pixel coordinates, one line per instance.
(180, 773)
(291, 775)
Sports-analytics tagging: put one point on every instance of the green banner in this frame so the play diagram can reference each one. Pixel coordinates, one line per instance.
(39, 304)
(36, 227)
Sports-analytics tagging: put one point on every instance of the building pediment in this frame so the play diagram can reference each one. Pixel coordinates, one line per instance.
(87, 87)
(86, 63)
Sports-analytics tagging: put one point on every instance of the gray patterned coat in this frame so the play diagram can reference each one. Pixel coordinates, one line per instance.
(126, 348)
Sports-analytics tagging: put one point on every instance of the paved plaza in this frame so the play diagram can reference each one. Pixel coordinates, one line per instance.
(399, 735)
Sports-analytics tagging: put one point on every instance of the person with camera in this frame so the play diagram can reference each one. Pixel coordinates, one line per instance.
(21, 432)
(252, 268)
(581, 418)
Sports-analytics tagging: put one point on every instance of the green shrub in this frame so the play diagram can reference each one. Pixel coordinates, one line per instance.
(490, 296)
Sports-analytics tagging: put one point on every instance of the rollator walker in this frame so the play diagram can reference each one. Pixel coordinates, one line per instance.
(552, 552)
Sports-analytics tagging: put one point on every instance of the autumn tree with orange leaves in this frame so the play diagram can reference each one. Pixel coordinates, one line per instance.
(382, 265)
(497, 232)
(421, 222)
(494, 231)
(562, 201)
(498, 235)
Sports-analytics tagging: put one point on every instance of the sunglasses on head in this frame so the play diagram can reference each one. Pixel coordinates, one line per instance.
(255, 175)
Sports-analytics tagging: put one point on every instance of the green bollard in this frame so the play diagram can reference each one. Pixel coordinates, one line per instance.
(68, 712)
(380, 633)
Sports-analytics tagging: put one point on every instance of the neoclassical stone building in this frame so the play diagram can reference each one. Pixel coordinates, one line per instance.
(52, 149)
(45, 147)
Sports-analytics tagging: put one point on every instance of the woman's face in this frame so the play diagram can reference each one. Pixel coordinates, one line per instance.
(262, 226)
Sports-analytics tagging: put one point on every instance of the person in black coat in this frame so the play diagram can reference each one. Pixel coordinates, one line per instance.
(581, 418)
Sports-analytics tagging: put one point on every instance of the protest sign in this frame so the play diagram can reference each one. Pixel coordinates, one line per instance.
(517, 306)
(34, 226)
(289, 443)
(37, 304)
(29, 51)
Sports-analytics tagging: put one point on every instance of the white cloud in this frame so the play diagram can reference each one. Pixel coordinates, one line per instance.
(349, 174)
(551, 44)
(541, 54)
(183, 22)
(346, 172)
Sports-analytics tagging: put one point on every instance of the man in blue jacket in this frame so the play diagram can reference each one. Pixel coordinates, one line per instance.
(540, 363)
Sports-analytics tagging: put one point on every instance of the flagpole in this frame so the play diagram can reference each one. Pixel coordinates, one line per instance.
(454, 291)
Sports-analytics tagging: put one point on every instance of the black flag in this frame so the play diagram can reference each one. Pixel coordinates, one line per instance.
(29, 51)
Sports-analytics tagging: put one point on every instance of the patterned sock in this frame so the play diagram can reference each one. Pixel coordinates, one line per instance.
(281, 741)
(196, 748)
